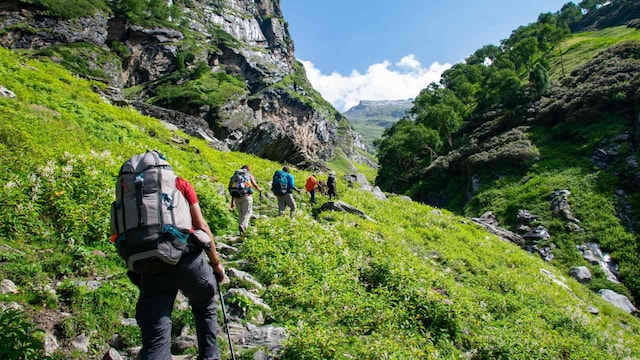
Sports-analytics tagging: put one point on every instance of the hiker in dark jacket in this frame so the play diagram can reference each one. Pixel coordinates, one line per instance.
(331, 185)
(283, 186)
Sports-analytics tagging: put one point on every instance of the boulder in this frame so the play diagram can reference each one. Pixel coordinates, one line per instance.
(6, 92)
(378, 193)
(244, 276)
(525, 217)
(501, 233)
(555, 279)
(50, 344)
(129, 322)
(538, 233)
(581, 273)
(181, 302)
(227, 250)
(11, 306)
(81, 343)
(489, 218)
(183, 342)
(341, 206)
(8, 287)
(595, 256)
(617, 300)
(560, 205)
(112, 354)
(255, 299)
(250, 336)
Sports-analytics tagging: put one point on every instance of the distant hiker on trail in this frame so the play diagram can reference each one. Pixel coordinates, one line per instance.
(310, 186)
(241, 189)
(160, 232)
(322, 187)
(283, 186)
(331, 185)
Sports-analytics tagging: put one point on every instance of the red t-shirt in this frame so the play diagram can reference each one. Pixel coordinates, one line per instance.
(187, 190)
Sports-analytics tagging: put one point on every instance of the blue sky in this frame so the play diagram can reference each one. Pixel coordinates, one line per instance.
(378, 50)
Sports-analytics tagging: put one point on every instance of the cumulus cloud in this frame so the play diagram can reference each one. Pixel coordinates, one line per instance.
(382, 81)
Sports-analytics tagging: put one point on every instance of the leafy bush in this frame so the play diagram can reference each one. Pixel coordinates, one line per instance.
(20, 339)
(213, 89)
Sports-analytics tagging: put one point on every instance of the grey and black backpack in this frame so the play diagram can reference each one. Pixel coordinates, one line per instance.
(150, 217)
(240, 184)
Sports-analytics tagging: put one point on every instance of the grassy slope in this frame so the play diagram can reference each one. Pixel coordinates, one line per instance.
(582, 47)
(414, 284)
(565, 164)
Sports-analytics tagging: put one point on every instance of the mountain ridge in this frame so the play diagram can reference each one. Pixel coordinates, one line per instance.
(229, 63)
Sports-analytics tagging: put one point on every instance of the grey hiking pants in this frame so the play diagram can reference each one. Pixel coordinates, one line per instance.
(194, 276)
(285, 200)
(245, 208)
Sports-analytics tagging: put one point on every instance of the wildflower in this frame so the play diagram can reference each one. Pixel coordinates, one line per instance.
(67, 170)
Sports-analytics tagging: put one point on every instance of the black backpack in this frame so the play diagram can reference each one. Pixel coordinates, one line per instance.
(279, 183)
(150, 217)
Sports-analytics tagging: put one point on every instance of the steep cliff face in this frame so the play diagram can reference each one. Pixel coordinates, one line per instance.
(229, 62)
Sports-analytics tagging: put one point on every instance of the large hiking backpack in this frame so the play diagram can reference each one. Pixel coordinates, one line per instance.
(150, 217)
(279, 183)
(240, 183)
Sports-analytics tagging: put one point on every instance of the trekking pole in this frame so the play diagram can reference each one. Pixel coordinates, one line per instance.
(224, 316)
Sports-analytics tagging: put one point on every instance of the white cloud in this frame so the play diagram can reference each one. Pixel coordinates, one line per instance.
(382, 81)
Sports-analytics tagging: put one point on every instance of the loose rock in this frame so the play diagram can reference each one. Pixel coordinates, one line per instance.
(112, 354)
(581, 273)
(81, 343)
(8, 287)
(50, 344)
(6, 92)
(617, 300)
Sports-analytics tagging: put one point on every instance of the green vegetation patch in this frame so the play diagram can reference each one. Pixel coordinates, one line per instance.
(417, 283)
(206, 88)
(84, 59)
(566, 165)
(582, 47)
(70, 9)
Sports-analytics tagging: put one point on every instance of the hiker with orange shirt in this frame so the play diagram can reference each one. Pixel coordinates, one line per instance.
(311, 186)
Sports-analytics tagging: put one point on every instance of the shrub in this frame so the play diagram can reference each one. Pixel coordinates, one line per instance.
(20, 338)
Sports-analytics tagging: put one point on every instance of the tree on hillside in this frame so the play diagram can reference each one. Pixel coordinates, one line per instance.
(570, 14)
(539, 78)
(404, 148)
(523, 52)
(502, 86)
(465, 82)
(590, 5)
(440, 109)
(479, 57)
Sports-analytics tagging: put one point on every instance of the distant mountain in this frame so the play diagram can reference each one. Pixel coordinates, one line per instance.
(370, 118)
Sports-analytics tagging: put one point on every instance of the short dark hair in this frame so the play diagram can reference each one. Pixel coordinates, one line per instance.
(285, 169)
(246, 167)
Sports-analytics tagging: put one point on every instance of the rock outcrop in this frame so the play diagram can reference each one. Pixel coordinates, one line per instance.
(273, 111)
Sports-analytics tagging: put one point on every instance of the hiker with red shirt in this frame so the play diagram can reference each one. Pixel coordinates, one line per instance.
(147, 186)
